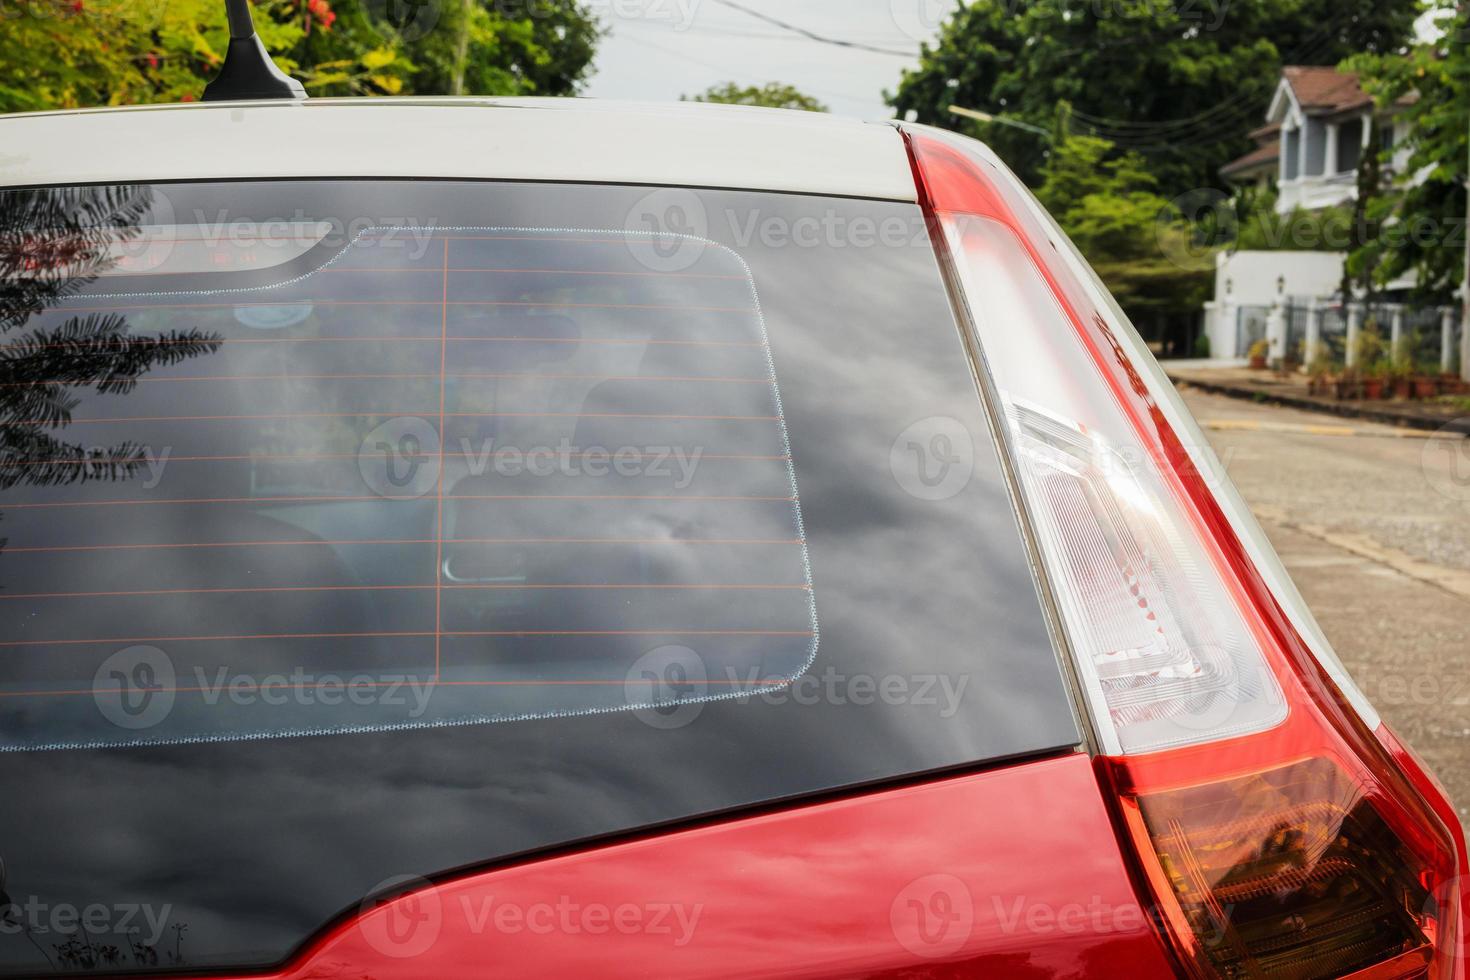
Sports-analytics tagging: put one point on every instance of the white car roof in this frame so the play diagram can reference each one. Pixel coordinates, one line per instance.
(681, 144)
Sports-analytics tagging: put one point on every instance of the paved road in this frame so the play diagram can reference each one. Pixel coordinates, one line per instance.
(1375, 528)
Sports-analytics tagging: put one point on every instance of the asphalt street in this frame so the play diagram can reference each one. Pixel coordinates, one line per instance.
(1374, 525)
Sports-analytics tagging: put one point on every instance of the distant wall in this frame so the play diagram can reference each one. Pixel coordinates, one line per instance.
(1252, 275)
(1250, 279)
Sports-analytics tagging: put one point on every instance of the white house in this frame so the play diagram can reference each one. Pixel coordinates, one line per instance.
(1318, 127)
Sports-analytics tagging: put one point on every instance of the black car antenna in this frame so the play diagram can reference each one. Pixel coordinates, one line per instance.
(248, 71)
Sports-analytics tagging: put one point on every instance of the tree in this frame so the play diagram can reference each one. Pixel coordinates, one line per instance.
(773, 95)
(1365, 223)
(495, 47)
(1136, 240)
(1421, 227)
(117, 52)
(1180, 83)
(1259, 227)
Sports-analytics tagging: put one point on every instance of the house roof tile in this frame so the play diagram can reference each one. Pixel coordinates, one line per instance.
(1268, 153)
(1325, 88)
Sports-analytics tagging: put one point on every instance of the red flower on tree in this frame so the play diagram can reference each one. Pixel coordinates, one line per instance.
(321, 11)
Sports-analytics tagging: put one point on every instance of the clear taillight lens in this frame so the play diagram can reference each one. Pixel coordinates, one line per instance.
(1164, 652)
(1160, 644)
(1279, 833)
(1162, 648)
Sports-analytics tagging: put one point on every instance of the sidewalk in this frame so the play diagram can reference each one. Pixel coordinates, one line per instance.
(1291, 390)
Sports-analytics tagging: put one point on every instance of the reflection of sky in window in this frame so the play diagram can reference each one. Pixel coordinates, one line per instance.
(616, 479)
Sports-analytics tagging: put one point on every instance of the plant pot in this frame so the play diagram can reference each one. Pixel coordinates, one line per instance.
(1403, 388)
(1345, 390)
(1426, 388)
(1258, 363)
(1373, 389)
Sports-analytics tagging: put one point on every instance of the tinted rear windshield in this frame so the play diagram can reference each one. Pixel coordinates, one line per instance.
(362, 529)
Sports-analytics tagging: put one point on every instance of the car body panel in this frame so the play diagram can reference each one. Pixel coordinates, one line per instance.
(1013, 872)
(504, 139)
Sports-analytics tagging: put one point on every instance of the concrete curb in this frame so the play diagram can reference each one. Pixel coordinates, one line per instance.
(1350, 410)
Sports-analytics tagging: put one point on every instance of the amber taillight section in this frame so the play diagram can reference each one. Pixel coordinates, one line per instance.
(1292, 873)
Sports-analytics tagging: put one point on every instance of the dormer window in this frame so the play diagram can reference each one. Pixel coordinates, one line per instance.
(1291, 142)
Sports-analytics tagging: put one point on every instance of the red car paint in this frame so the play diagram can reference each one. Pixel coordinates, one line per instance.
(1014, 872)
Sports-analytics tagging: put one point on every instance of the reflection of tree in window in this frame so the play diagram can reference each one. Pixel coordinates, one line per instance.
(54, 241)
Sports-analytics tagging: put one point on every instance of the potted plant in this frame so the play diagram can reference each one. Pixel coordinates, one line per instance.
(1374, 381)
(1319, 381)
(1401, 370)
(1368, 359)
(1291, 363)
(1426, 386)
(1347, 384)
(1319, 369)
(1257, 354)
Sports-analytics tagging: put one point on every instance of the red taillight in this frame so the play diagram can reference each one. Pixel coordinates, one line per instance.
(1278, 834)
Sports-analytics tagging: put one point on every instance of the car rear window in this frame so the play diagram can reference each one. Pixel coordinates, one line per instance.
(355, 529)
(610, 519)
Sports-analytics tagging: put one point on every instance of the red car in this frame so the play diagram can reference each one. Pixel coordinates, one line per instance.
(500, 537)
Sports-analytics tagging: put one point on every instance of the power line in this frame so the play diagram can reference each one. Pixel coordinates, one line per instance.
(1202, 128)
(698, 28)
(812, 35)
(733, 72)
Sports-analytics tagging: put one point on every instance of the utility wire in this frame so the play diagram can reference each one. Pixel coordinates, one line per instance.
(812, 35)
(733, 72)
(1201, 128)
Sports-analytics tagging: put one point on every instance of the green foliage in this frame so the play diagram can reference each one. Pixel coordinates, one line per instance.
(1181, 83)
(523, 47)
(81, 53)
(1262, 229)
(1370, 350)
(1132, 236)
(772, 95)
(1420, 229)
(1108, 206)
(1357, 272)
(118, 52)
